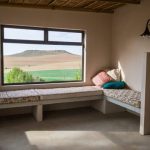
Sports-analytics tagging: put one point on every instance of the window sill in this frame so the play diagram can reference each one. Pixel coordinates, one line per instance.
(43, 85)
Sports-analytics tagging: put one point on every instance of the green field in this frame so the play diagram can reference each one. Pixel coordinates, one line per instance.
(56, 75)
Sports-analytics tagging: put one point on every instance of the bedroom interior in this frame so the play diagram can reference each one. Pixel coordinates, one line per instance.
(84, 74)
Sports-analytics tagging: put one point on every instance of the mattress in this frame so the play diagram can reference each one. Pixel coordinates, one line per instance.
(127, 96)
(35, 95)
(58, 93)
(19, 96)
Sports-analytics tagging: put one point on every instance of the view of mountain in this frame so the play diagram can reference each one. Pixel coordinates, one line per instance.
(31, 60)
(31, 53)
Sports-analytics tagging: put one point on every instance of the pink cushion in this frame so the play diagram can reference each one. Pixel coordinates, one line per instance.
(101, 78)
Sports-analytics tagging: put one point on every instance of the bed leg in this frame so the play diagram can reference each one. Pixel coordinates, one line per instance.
(38, 112)
(106, 107)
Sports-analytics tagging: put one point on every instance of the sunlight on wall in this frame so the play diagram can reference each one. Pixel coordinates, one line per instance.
(123, 77)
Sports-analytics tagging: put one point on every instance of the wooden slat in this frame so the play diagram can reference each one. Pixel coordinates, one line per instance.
(123, 1)
(15, 1)
(83, 3)
(91, 4)
(116, 6)
(66, 2)
(101, 5)
(38, 1)
(30, 2)
(75, 5)
(56, 7)
(43, 2)
(80, 3)
(107, 5)
(58, 3)
(112, 6)
(51, 2)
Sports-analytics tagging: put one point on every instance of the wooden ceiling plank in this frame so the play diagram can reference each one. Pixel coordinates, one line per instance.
(29, 2)
(38, 2)
(66, 3)
(100, 6)
(51, 2)
(16, 1)
(55, 7)
(112, 6)
(90, 4)
(123, 1)
(80, 3)
(83, 3)
(115, 7)
(43, 2)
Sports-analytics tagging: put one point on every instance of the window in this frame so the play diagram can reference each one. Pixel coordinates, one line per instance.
(41, 55)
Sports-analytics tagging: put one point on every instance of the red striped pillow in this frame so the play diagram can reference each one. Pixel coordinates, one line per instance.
(101, 78)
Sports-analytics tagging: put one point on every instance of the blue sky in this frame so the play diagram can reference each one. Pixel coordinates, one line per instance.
(12, 48)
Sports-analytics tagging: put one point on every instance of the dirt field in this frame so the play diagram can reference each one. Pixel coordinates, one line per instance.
(46, 62)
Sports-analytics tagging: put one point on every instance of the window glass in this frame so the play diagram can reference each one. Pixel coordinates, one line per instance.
(41, 63)
(64, 36)
(23, 34)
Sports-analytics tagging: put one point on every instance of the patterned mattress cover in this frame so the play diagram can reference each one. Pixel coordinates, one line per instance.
(19, 96)
(35, 95)
(127, 96)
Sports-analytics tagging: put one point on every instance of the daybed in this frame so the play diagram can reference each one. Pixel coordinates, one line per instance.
(128, 99)
(39, 97)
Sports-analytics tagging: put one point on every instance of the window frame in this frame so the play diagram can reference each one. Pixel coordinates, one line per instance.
(45, 41)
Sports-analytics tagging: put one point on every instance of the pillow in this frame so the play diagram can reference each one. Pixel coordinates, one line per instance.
(115, 74)
(114, 85)
(101, 78)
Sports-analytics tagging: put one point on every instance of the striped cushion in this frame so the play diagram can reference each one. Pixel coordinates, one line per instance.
(101, 78)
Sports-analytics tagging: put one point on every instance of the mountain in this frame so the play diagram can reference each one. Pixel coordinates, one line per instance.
(29, 53)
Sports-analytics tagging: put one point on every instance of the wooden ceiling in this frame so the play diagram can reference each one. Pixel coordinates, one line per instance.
(107, 6)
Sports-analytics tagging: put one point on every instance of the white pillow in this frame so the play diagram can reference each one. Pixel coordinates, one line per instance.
(115, 74)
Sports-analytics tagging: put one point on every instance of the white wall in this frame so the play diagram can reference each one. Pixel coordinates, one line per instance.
(96, 25)
(128, 47)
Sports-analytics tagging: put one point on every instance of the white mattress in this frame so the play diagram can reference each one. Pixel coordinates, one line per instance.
(34, 95)
(57, 93)
(19, 96)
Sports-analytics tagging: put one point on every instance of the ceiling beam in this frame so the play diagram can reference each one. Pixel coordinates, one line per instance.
(55, 7)
(123, 1)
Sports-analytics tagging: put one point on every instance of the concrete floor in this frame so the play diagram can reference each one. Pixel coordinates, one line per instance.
(76, 129)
